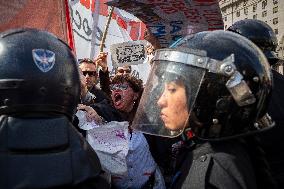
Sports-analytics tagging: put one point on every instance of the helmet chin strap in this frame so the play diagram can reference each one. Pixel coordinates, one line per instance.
(186, 132)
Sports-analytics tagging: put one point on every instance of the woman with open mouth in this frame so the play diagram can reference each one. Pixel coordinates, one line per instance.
(142, 170)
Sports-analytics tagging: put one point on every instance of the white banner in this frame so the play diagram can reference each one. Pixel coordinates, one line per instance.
(88, 21)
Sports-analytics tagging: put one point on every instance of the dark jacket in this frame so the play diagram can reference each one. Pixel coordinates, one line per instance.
(105, 110)
(215, 165)
(163, 147)
(46, 152)
(105, 82)
(272, 140)
(99, 95)
(104, 92)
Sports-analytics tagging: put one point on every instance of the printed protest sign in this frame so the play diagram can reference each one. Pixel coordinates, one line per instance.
(128, 53)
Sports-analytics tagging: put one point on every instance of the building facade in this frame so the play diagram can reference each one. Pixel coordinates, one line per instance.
(269, 11)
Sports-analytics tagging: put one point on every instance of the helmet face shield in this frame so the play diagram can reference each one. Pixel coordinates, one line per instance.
(173, 87)
(169, 95)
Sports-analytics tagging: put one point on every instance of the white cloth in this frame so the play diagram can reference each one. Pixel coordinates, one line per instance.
(109, 141)
(140, 165)
(83, 123)
(111, 145)
(127, 158)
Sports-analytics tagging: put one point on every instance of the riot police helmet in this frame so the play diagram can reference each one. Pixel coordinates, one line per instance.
(215, 84)
(38, 73)
(261, 34)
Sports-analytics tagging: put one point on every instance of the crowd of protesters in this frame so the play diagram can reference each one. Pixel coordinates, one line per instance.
(203, 119)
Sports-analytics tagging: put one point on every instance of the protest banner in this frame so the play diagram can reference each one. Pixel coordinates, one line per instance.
(89, 18)
(172, 19)
(128, 53)
(167, 20)
(84, 26)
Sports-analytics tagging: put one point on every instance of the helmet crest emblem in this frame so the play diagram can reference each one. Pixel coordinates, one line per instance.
(44, 59)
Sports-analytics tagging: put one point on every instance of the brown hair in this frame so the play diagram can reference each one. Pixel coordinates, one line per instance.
(136, 85)
(86, 60)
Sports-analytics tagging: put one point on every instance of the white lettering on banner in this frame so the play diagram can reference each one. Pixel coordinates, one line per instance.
(128, 53)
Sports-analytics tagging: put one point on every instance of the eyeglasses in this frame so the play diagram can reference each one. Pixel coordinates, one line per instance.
(118, 87)
(124, 71)
(90, 73)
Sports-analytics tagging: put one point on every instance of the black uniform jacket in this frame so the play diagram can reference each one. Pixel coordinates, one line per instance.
(272, 140)
(223, 165)
(46, 152)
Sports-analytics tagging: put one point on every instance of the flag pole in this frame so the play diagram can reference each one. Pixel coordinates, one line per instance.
(106, 29)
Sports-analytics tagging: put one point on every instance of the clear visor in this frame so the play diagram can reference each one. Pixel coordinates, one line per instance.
(168, 98)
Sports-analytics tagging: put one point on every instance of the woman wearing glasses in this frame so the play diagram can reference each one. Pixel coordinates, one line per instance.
(142, 171)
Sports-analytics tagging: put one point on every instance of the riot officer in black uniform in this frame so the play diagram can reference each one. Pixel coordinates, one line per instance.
(264, 37)
(213, 89)
(39, 92)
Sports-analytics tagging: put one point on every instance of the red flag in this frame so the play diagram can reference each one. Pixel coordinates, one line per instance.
(52, 16)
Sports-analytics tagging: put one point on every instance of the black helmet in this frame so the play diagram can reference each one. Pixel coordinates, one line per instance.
(38, 73)
(261, 34)
(225, 80)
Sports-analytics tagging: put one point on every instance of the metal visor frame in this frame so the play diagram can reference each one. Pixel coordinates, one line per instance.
(186, 66)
